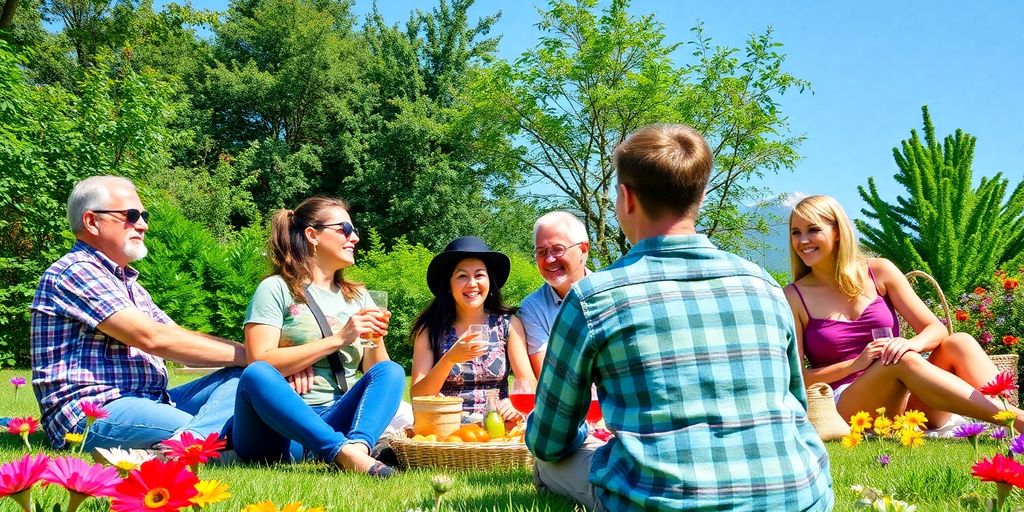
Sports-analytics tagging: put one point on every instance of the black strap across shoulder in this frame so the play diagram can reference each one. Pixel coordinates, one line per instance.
(325, 329)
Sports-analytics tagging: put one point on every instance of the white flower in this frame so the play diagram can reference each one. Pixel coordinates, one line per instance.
(124, 460)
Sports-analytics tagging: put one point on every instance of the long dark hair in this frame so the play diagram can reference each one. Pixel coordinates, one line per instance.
(290, 253)
(439, 315)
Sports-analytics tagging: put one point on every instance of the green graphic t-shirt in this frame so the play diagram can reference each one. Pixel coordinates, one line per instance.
(272, 304)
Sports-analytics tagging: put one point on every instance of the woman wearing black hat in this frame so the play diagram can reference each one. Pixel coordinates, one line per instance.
(466, 281)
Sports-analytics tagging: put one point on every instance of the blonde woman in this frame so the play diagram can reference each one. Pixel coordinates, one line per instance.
(838, 297)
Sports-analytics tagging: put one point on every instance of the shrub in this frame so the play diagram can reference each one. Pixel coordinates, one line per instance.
(993, 314)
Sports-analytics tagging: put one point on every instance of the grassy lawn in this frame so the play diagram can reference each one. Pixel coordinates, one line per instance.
(933, 477)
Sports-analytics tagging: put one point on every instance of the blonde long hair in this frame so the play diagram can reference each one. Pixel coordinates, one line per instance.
(849, 263)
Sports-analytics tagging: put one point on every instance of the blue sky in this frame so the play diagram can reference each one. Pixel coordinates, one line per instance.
(871, 65)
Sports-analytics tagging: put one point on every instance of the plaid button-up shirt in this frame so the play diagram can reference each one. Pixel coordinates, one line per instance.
(71, 359)
(694, 356)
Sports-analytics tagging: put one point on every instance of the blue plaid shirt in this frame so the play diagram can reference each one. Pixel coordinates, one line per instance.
(694, 356)
(71, 359)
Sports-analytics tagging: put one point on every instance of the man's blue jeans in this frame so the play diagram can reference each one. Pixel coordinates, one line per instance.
(202, 406)
(272, 423)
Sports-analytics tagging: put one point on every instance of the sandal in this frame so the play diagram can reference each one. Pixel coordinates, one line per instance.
(380, 470)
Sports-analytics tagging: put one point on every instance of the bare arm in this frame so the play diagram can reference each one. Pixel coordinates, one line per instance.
(895, 286)
(427, 377)
(518, 359)
(537, 362)
(169, 341)
(261, 343)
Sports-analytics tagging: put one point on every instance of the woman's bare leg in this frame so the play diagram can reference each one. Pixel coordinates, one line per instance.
(940, 391)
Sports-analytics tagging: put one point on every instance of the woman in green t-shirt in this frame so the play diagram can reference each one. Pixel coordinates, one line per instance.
(318, 409)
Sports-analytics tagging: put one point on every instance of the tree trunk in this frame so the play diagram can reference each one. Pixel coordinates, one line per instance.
(7, 17)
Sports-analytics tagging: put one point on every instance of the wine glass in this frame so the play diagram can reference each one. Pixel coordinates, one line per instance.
(594, 410)
(881, 333)
(523, 396)
(380, 299)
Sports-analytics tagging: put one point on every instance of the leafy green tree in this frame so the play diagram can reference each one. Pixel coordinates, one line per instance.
(943, 226)
(596, 77)
(52, 138)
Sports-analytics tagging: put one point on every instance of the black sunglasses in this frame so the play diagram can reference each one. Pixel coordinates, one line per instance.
(344, 228)
(131, 215)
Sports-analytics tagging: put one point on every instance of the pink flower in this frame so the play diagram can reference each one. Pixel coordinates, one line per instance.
(21, 474)
(1001, 385)
(92, 410)
(17, 382)
(191, 450)
(79, 476)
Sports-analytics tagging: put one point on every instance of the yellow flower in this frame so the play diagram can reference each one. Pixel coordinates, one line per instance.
(853, 439)
(898, 423)
(210, 491)
(860, 422)
(911, 437)
(267, 506)
(74, 438)
(914, 419)
(883, 425)
(1004, 417)
(880, 411)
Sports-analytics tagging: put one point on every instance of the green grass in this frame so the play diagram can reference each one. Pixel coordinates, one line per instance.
(934, 477)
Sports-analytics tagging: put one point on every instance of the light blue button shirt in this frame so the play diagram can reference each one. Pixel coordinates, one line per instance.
(538, 312)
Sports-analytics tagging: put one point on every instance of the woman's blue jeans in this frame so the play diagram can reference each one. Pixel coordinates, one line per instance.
(272, 423)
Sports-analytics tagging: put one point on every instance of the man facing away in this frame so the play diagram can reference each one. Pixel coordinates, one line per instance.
(97, 336)
(694, 356)
(561, 248)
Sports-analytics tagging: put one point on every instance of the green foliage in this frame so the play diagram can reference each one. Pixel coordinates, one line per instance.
(595, 77)
(402, 272)
(200, 282)
(115, 124)
(943, 226)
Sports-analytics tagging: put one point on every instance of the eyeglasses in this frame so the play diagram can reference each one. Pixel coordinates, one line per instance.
(131, 215)
(556, 251)
(344, 228)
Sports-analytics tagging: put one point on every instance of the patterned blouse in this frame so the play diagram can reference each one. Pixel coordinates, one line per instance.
(490, 371)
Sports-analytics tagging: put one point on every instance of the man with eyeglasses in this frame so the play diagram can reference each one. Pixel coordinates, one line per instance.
(561, 249)
(97, 336)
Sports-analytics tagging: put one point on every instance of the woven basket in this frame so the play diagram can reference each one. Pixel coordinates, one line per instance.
(821, 411)
(424, 454)
(1002, 361)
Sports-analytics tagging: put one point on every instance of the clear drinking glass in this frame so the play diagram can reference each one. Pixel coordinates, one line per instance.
(881, 333)
(380, 298)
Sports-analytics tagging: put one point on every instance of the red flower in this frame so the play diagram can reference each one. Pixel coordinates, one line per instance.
(999, 469)
(93, 410)
(191, 450)
(157, 486)
(1011, 283)
(962, 315)
(979, 291)
(1010, 340)
(1001, 385)
(22, 426)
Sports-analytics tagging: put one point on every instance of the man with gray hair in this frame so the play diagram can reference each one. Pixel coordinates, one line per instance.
(97, 336)
(561, 249)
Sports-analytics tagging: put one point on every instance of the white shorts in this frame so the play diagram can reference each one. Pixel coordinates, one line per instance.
(838, 391)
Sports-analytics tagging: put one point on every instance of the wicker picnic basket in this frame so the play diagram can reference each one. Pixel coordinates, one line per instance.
(822, 413)
(1002, 361)
(425, 454)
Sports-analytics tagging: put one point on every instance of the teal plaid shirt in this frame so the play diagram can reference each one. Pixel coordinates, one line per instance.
(694, 356)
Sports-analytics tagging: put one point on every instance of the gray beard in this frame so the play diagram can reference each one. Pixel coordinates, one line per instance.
(135, 252)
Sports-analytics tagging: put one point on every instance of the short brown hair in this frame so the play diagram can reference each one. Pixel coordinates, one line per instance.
(667, 166)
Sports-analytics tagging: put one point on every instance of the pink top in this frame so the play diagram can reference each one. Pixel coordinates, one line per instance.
(827, 342)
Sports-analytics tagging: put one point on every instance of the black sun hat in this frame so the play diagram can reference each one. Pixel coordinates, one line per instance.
(440, 269)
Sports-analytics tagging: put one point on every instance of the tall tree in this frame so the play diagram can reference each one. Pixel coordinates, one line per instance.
(958, 234)
(596, 77)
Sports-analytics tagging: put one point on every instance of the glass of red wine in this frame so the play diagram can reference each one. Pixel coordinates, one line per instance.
(523, 395)
(594, 410)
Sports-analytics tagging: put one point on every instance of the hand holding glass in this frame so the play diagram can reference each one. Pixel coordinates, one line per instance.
(380, 298)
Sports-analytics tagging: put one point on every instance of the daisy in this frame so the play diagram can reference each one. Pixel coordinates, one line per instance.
(860, 422)
(210, 491)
